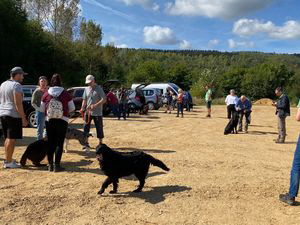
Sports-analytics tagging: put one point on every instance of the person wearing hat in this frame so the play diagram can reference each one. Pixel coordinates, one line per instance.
(92, 107)
(36, 104)
(12, 114)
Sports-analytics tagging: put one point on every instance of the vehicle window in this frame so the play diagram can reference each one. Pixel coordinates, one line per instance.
(27, 93)
(79, 93)
(148, 92)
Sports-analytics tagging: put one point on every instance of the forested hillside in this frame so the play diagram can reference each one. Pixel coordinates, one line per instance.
(44, 39)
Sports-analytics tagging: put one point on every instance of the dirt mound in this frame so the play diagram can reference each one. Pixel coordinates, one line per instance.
(264, 101)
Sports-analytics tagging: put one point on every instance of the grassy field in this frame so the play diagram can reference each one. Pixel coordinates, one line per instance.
(214, 179)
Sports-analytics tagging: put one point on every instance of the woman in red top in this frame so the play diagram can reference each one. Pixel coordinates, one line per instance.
(180, 103)
(56, 127)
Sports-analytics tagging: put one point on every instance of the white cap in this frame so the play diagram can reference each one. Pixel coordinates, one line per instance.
(89, 79)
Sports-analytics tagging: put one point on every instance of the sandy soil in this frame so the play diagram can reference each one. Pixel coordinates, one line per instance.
(214, 179)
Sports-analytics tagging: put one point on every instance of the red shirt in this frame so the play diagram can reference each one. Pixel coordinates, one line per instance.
(111, 98)
(180, 98)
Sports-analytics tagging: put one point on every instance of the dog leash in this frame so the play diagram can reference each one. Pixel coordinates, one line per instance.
(88, 113)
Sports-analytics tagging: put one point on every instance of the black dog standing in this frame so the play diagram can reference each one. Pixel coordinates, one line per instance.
(116, 165)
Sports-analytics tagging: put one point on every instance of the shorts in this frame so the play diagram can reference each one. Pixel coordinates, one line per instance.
(208, 104)
(12, 127)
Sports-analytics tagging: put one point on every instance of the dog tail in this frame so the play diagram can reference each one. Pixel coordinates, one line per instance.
(158, 163)
(23, 159)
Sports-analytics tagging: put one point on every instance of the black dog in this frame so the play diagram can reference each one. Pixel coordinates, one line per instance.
(35, 152)
(116, 164)
(232, 124)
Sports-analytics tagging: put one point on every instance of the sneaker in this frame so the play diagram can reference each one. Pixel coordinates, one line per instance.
(286, 198)
(208, 116)
(11, 165)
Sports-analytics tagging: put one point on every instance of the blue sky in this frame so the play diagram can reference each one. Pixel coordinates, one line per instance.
(224, 25)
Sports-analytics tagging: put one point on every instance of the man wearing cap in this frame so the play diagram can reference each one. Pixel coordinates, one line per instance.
(12, 115)
(92, 107)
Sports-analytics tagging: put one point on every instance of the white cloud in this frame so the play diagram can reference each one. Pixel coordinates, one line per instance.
(147, 4)
(159, 35)
(248, 27)
(213, 42)
(121, 46)
(215, 8)
(185, 45)
(243, 44)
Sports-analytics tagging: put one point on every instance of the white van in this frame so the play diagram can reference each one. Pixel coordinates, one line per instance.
(161, 86)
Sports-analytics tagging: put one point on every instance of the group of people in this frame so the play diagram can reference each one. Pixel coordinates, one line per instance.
(183, 99)
(242, 106)
(53, 105)
(117, 102)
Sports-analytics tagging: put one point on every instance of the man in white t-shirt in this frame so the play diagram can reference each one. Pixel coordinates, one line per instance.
(12, 114)
(230, 101)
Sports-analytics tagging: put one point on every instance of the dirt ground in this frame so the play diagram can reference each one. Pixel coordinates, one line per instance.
(214, 179)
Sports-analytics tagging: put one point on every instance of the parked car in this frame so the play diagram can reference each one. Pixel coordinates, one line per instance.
(153, 98)
(76, 93)
(28, 109)
(162, 87)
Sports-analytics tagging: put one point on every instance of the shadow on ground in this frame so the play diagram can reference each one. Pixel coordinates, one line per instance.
(154, 196)
(261, 132)
(144, 150)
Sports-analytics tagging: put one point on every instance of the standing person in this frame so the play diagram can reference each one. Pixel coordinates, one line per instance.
(57, 104)
(243, 107)
(282, 111)
(231, 101)
(92, 106)
(169, 95)
(112, 102)
(289, 197)
(122, 103)
(12, 114)
(36, 104)
(180, 103)
(208, 100)
(188, 100)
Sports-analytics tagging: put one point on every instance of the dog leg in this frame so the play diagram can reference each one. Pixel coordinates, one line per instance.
(66, 145)
(141, 179)
(105, 184)
(115, 187)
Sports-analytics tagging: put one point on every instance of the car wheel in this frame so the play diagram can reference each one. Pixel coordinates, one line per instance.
(151, 105)
(32, 120)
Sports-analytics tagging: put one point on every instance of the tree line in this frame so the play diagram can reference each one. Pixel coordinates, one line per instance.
(50, 36)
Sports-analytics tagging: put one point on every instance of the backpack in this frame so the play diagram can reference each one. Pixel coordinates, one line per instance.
(55, 109)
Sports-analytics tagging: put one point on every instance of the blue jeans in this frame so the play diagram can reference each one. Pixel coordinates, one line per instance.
(295, 172)
(40, 121)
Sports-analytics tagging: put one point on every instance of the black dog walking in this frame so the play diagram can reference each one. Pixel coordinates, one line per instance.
(116, 165)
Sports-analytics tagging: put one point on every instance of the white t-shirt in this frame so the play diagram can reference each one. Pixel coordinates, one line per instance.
(231, 100)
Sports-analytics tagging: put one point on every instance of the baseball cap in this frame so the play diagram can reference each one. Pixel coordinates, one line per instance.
(89, 79)
(17, 70)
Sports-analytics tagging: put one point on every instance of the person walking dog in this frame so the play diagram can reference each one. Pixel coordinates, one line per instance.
(92, 107)
(231, 101)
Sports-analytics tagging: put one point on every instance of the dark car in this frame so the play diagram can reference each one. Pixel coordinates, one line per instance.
(77, 93)
(28, 109)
